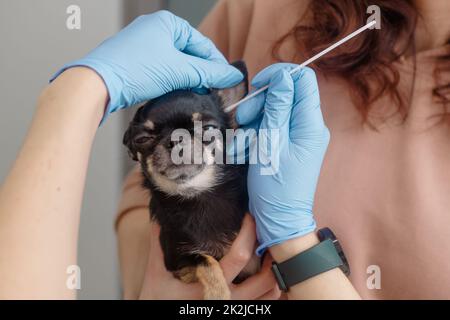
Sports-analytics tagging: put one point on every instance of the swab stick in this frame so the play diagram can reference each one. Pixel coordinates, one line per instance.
(304, 64)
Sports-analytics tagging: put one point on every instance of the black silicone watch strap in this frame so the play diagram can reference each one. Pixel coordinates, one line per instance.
(316, 260)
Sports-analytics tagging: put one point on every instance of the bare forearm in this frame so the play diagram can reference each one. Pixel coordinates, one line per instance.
(41, 198)
(331, 285)
(133, 234)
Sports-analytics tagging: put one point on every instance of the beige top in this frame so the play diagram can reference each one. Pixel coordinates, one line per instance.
(386, 194)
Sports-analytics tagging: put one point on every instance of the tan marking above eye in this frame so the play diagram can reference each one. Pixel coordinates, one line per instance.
(149, 124)
(196, 116)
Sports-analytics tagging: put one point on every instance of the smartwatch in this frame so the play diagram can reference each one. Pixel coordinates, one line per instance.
(325, 256)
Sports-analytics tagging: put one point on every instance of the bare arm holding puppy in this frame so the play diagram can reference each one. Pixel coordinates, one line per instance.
(40, 200)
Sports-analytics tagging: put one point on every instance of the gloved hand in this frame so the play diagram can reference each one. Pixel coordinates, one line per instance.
(154, 55)
(282, 202)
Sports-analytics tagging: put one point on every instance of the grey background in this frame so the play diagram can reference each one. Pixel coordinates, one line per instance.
(34, 44)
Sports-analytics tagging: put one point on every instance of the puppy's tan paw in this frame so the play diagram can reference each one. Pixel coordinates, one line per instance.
(187, 274)
(211, 277)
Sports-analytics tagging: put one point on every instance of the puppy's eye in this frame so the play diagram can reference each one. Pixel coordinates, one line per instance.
(142, 139)
(209, 127)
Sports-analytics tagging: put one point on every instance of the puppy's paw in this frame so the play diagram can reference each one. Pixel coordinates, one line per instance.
(211, 276)
(216, 293)
(186, 275)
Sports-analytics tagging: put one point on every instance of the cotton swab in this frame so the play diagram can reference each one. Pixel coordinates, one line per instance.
(304, 64)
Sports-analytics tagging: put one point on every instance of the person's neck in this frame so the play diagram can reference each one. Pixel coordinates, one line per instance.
(434, 24)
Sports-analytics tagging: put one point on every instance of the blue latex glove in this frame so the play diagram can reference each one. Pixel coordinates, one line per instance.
(156, 54)
(282, 203)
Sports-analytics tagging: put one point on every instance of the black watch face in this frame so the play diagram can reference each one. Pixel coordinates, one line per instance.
(325, 234)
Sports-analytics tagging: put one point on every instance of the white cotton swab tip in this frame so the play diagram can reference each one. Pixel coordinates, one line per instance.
(307, 62)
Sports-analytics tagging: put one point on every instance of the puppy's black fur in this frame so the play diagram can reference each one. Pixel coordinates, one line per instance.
(201, 222)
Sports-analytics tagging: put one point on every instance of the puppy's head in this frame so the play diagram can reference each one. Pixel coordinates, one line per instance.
(176, 138)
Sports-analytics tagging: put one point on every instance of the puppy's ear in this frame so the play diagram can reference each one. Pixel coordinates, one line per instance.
(236, 93)
(130, 134)
(128, 142)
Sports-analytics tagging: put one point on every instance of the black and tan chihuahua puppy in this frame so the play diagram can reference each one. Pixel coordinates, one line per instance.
(199, 206)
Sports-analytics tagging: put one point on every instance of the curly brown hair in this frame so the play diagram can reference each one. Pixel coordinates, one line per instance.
(366, 63)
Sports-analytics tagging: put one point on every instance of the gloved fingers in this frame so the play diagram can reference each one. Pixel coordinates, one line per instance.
(250, 110)
(200, 46)
(238, 150)
(254, 125)
(190, 41)
(306, 90)
(210, 74)
(263, 78)
(307, 119)
(279, 101)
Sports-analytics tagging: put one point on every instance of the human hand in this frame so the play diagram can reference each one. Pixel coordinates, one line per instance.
(160, 284)
(156, 54)
(282, 202)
